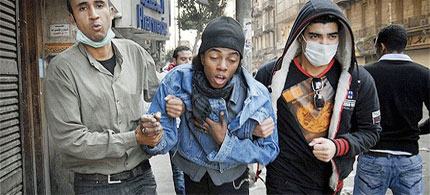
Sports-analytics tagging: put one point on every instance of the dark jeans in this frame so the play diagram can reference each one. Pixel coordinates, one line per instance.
(141, 184)
(206, 186)
(278, 185)
(178, 176)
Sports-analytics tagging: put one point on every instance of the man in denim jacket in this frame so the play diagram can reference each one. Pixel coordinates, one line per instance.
(223, 106)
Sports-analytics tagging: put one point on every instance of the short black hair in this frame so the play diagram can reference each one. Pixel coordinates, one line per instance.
(179, 49)
(394, 37)
(69, 7)
(327, 19)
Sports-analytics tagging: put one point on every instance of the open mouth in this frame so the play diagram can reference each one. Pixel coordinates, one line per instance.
(220, 79)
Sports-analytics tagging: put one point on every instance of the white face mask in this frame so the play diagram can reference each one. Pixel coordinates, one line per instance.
(80, 37)
(319, 54)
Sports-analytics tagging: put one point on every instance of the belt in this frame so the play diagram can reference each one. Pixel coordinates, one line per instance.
(381, 154)
(117, 177)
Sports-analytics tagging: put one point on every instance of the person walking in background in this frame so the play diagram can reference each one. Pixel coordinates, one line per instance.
(181, 55)
(225, 107)
(94, 95)
(403, 86)
(327, 107)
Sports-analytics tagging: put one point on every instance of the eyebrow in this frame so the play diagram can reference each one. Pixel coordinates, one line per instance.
(85, 2)
(318, 34)
(217, 50)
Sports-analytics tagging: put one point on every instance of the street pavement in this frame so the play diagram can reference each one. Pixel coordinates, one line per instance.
(163, 173)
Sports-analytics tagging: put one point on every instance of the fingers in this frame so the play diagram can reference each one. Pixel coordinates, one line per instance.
(316, 141)
(150, 124)
(203, 128)
(174, 106)
(157, 116)
(150, 140)
(147, 118)
(169, 97)
(268, 121)
(222, 118)
(212, 123)
(323, 149)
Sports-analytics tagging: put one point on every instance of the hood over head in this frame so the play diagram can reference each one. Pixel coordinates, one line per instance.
(345, 56)
(310, 11)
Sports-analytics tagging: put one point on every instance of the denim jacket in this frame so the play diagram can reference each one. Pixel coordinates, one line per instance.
(239, 146)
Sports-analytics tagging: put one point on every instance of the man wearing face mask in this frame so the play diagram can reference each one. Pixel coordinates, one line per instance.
(94, 95)
(327, 107)
(403, 86)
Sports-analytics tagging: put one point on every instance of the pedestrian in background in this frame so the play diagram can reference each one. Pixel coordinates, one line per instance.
(181, 55)
(94, 95)
(225, 108)
(327, 107)
(403, 86)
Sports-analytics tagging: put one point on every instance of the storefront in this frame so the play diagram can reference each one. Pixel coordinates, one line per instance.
(145, 22)
(23, 164)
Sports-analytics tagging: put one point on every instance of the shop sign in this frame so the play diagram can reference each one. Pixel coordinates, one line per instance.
(149, 23)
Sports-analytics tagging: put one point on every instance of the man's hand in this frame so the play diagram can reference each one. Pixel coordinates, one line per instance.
(148, 140)
(324, 149)
(150, 131)
(265, 129)
(174, 106)
(216, 130)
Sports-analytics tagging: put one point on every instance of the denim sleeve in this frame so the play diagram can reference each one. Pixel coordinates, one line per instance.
(170, 136)
(247, 151)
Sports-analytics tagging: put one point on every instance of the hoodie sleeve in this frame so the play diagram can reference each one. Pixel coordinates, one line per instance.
(264, 73)
(365, 120)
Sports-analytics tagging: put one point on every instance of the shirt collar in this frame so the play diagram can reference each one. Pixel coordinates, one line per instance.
(93, 61)
(396, 56)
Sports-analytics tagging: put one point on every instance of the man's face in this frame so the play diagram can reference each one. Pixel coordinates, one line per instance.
(92, 17)
(219, 65)
(184, 57)
(326, 34)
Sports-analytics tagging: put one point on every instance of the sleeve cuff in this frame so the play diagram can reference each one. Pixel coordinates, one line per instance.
(158, 149)
(225, 149)
(130, 139)
(342, 146)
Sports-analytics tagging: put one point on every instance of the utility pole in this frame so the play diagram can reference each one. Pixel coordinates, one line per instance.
(179, 24)
(243, 16)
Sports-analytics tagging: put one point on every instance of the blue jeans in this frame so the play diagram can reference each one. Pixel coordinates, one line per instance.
(178, 176)
(403, 175)
(140, 185)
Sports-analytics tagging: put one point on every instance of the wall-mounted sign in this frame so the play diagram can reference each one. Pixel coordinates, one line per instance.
(59, 30)
(154, 5)
(149, 23)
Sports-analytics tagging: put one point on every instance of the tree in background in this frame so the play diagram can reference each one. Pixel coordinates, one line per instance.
(197, 13)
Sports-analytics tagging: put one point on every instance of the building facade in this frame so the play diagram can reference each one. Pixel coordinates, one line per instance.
(273, 20)
(367, 17)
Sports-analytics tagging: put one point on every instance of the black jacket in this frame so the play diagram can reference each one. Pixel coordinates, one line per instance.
(401, 97)
(356, 113)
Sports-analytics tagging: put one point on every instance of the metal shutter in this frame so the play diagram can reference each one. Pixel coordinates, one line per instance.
(10, 137)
